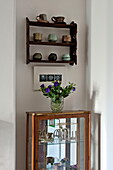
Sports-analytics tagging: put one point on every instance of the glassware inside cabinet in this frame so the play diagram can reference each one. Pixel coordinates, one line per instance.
(61, 144)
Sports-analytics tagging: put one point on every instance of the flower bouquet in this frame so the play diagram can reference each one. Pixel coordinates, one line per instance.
(57, 94)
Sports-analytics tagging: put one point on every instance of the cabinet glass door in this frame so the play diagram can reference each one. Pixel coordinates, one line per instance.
(60, 144)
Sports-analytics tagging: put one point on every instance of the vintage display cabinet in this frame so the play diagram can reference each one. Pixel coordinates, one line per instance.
(58, 141)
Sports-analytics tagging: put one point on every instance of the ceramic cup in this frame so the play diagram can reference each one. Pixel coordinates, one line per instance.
(37, 37)
(58, 19)
(66, 38)
(37, 56)
(52, 38)
(41, 17)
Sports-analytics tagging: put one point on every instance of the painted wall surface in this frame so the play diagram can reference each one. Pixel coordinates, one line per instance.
(27, 99)
(7, 85)
(99, 71)
(109, 89)
(96, 67)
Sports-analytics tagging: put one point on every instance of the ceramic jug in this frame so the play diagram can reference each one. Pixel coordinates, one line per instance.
(58, 19)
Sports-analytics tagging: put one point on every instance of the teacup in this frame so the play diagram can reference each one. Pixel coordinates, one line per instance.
(41, 17)
(37, 37)
(52, 37)
(58, 19)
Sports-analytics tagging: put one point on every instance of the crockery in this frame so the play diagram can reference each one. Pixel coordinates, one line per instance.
(59, 19)
(66, 57)
(52, 38)
(66, 38)
(37, 56)
(41, 17)
(52, 57)
(37, 37)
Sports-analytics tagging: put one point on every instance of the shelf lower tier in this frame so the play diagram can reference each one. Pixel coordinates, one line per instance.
(47, 61)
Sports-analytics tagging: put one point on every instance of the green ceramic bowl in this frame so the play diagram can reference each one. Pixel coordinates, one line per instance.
(52, 38)
(37, 56)
(66, 57)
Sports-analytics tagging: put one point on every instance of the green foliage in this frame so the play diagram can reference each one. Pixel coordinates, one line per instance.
(56, 92)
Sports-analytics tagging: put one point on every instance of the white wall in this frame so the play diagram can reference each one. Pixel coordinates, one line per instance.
(100, 66)
(109, 88)
(7, 85)
(27, 99)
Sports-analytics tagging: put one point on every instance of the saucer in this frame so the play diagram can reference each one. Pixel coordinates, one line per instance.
(44, 21)
(59, 22)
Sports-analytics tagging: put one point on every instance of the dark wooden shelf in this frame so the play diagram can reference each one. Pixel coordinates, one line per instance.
(51, 43)
(47, 61)
(41, 24)
(72, 45)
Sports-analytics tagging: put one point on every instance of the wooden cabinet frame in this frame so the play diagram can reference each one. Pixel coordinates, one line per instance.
(37, 116)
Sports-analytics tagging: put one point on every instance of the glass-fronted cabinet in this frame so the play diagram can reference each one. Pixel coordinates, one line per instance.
(58, 141)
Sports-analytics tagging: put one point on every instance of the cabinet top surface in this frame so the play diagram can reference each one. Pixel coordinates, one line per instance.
(47, 113)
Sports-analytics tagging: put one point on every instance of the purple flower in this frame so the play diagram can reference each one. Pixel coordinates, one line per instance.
(42, 86)
(50, 86)
(73, 89)
(47, 90)
(56, 83)
(74, 166)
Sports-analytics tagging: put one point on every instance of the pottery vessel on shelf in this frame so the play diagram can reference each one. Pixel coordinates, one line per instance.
(59, 19)
(66, 57)
(52, 57)
(37, 56)
(37, 36)
(52, 38)
(42, 18)
(66, 38)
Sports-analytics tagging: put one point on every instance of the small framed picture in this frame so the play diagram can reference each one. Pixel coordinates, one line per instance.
(52, 122)
(42, 78)
(58, 77)
(50, 77)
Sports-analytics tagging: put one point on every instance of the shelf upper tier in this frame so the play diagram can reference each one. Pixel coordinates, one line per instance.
(35, 23)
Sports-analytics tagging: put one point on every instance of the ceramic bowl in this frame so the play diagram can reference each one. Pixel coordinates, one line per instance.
(37, 56)
(66, 57)
(52, 38)
(52, 57)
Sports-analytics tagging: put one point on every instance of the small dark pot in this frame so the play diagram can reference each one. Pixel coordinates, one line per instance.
(52, 57)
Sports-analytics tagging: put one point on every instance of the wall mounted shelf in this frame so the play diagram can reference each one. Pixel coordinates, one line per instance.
(72, 45)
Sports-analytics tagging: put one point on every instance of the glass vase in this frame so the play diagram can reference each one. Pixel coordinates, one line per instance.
(57, 105)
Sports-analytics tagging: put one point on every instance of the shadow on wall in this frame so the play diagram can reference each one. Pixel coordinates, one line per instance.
(95, 133)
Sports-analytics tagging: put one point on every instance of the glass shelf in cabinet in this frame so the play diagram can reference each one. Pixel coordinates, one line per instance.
(56, 142)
